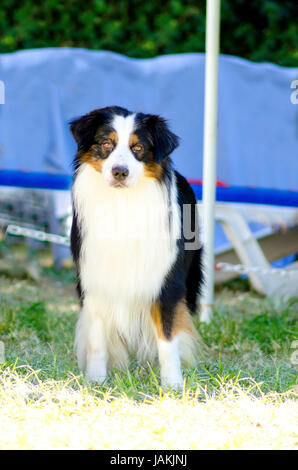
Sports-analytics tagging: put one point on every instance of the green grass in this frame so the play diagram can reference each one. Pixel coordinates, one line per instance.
(241, 394)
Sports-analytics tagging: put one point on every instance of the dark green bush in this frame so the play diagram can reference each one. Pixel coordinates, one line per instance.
(259, 31)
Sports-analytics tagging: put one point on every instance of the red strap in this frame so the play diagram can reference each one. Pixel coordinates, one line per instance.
(219, 183)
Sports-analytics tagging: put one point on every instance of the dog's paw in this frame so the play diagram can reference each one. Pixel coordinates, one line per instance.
(96, 372)
(95, 379)
(173, 382)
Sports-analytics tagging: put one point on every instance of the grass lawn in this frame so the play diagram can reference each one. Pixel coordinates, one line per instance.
(241, 395)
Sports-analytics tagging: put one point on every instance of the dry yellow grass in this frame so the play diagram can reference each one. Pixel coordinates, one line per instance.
(65, 415)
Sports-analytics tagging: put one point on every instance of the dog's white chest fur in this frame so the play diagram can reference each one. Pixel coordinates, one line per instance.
(128, 247)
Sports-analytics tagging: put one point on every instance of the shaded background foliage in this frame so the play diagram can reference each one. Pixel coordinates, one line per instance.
(257, 30)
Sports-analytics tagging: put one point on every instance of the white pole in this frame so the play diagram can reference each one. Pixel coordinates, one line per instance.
(209, 153)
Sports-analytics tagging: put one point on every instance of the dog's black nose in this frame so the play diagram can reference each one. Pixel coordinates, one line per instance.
(120, 172)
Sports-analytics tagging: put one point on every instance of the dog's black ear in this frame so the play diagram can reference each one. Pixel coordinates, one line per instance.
(84, 128)
(164, 141)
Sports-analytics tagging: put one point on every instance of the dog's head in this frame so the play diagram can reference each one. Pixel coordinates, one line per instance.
(123, 146)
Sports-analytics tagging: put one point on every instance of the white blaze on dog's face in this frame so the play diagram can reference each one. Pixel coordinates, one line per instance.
(122, 168)
(123, 146)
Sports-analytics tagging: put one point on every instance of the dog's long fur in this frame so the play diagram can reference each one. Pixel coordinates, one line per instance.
(137, 282)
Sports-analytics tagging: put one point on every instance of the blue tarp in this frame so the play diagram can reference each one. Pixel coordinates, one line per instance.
(240, 194)
(257, 122)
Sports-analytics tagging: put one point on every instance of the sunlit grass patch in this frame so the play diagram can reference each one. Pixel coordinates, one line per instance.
(38, 414)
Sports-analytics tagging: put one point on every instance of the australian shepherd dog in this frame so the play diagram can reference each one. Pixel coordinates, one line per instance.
(134, 240)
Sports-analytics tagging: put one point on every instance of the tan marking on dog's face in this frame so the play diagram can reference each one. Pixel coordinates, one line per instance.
(102, 133)
(133, 140)
(91, 159)
(136, 146)
(113, 137)
(100, 151)
(153, 170)
(105, 144)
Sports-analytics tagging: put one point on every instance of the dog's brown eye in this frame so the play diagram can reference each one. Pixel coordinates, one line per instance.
(137, 148)
(107, 145)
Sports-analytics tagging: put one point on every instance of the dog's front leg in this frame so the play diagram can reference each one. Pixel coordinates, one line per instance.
(168, 351)
(90, 343)
(169, 360)
(176, 340)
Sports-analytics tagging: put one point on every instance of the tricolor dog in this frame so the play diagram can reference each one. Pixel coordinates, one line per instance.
(134, 240)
